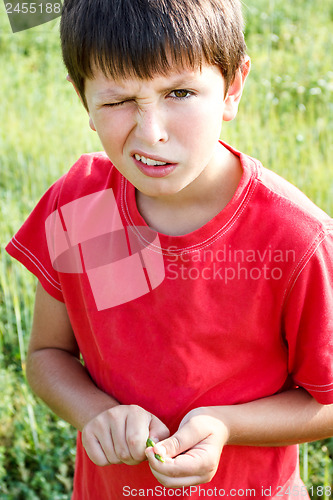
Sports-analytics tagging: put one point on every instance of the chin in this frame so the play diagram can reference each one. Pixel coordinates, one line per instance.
(159, 193)
(157, 188)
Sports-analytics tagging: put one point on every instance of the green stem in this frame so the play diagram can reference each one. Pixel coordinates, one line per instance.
(150, 443)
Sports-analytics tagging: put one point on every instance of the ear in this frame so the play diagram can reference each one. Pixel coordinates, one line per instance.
(91, 123)
(69, 79)
(235, 91)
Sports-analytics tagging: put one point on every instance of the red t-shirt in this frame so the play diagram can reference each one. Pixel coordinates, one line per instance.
(237, 310)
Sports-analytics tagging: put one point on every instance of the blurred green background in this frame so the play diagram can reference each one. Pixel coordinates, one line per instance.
(285, 120)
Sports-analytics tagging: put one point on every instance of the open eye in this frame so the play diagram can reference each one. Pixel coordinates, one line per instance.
(180, 94)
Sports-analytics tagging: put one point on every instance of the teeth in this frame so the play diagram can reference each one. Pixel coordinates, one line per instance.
(148, 161)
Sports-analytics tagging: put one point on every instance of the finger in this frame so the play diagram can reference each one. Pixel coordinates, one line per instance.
(119, 439)
(184, 439)
(197, 466)
(140, 425)
(137, 429)
(182, 465)
(157, 429)
(182, 471)
(99, 454)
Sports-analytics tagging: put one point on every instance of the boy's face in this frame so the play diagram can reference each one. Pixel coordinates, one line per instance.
(162, 133)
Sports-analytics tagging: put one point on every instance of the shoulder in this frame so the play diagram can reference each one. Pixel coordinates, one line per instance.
(284, 207)
(289, 221)
(92, 172)
(272, 197)
(290, 196)
(91, 164)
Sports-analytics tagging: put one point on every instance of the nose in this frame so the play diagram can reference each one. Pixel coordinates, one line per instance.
(151, 126)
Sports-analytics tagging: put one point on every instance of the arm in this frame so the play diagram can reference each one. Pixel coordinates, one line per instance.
(57, 376)
(284, 419)
(291, 417)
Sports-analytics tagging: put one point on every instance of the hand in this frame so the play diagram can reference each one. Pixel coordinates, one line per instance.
(193, 453)
(119, 435)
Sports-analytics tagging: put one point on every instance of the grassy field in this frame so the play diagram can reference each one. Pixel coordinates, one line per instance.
(285, 119)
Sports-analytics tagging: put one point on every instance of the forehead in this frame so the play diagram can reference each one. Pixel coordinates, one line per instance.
(103, 86)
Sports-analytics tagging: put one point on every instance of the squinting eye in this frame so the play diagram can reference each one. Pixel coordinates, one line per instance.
(113, 104)
(181, 93)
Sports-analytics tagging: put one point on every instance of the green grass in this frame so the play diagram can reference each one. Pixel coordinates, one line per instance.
(285, 119)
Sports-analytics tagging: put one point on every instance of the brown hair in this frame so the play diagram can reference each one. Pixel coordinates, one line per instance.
(144, 37)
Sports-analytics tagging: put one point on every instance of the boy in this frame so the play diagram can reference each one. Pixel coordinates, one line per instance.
(198, 326)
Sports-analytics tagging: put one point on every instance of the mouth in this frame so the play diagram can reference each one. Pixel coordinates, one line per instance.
(153, 167)
(149, 161)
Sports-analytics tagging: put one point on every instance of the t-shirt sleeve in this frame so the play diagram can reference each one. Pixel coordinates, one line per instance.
(308, 321)
(29, 245)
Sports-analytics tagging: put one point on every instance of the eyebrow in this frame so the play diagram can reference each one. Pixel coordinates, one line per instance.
(112, 94)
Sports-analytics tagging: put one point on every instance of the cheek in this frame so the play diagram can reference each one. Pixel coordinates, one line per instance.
(112, 131)
(203, 129)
